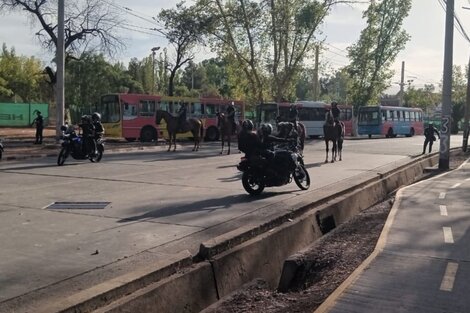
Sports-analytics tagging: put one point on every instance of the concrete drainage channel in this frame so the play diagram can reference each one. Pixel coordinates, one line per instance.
(192, 283)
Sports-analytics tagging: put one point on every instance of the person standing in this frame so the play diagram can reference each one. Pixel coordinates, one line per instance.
(429, 137)
(293, 116)
(230, 112)
(181, 116)
(39, 121)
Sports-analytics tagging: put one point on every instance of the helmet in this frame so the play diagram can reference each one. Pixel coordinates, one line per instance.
(96, 116)
(266, 129)
(247, 125)
(334, 103)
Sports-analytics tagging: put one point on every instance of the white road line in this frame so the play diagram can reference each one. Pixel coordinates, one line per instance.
(467, 179)
(442, 195)
(447, 283)
(456, 185)
(443, 209)
(448, 237)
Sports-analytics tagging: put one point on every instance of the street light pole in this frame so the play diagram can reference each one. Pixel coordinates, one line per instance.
(154, 51)
(60, 69)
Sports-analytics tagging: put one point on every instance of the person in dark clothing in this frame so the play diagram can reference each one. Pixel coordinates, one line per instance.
(230, 112)
(335, 111)
(39, 121)
(181, 116)
(248, 141)
(88, 130)
(429, 137)
(97, 128)
(293, 114)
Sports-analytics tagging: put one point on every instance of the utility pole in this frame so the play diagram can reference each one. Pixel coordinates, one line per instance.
(60, 69)
(154, 51)
(402, 84)
(315, 75)
(447, 88)
(467, 111)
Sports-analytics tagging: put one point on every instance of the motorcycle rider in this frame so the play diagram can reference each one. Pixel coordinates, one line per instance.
(248, 141)
(98, 129)
(88, 145)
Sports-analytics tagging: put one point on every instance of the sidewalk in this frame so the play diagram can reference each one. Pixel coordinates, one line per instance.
(421, 261)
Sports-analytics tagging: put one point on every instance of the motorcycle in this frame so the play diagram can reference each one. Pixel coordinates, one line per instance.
(276, 168)
(1, 149)
(72, 144)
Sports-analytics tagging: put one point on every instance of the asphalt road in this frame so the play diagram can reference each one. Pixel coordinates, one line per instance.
(157, 204)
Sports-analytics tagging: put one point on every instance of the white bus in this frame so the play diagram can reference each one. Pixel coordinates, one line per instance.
(311, 114)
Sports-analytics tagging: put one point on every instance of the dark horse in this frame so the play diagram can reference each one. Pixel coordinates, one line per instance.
(333, 132)
(285, 130)
(193, 125)
(226, 130)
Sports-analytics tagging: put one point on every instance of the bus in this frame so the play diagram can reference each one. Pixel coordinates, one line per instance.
(390, 121)
(311, 114)
(132, 116)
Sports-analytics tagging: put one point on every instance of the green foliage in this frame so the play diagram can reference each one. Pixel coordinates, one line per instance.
(376, 50)
(21, 78)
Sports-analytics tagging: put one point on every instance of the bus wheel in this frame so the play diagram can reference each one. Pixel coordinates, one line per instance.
(412, 132)
(389, 133)
(212, 134)
(148, 134)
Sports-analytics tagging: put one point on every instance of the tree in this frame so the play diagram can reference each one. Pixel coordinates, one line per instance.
(21, 77)
(268, 41)
(184, 27)
(376, 50)
(89, 25)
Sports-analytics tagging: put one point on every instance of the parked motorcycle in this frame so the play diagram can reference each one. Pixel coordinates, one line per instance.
(72, 145)
(276, 168)
(1, 149)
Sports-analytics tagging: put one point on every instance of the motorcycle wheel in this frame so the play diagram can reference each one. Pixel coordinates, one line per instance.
(97, 158)
(301, 177)
(62, 156)
(252, 184)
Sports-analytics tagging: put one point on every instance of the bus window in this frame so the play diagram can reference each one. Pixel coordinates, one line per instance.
(129, 112)
(210, 110)
(384, 115)
(196, 109)
(147, 108)
(165, 106)
(407, 115)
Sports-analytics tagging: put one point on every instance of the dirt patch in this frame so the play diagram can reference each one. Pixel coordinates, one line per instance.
(326, 264)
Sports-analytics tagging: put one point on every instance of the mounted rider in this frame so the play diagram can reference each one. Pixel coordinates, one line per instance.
(334, 113)
(182, 111)
(230, 114)
(293, 116)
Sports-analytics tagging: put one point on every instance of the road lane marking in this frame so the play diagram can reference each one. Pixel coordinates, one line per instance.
(447, 283)
(443, 209)
(456, 185)
(467, 179)
(442, 195)
(448, 237)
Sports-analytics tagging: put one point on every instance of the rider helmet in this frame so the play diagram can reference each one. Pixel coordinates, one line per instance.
(334, 103)
(266, 129)
(96, 116)
(247, 125)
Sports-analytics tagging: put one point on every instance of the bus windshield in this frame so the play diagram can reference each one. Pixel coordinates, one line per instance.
(109, 109)
(368, 116)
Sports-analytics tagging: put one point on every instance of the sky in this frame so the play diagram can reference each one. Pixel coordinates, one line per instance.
(423, 54)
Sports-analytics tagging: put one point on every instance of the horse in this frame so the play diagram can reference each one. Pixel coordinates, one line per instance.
(194, 125)
(333, 132)
(226, 130)
(285, 131)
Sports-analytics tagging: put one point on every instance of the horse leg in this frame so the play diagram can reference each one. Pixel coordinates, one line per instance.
(228, 144)
(174, 142)
(222, 143)
(327, 148)
(170, 135)
(333, 152)
(340, 149)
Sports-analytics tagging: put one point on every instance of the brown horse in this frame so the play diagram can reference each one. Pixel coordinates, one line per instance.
(226, 130)
(193, 125)
(333, 132)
